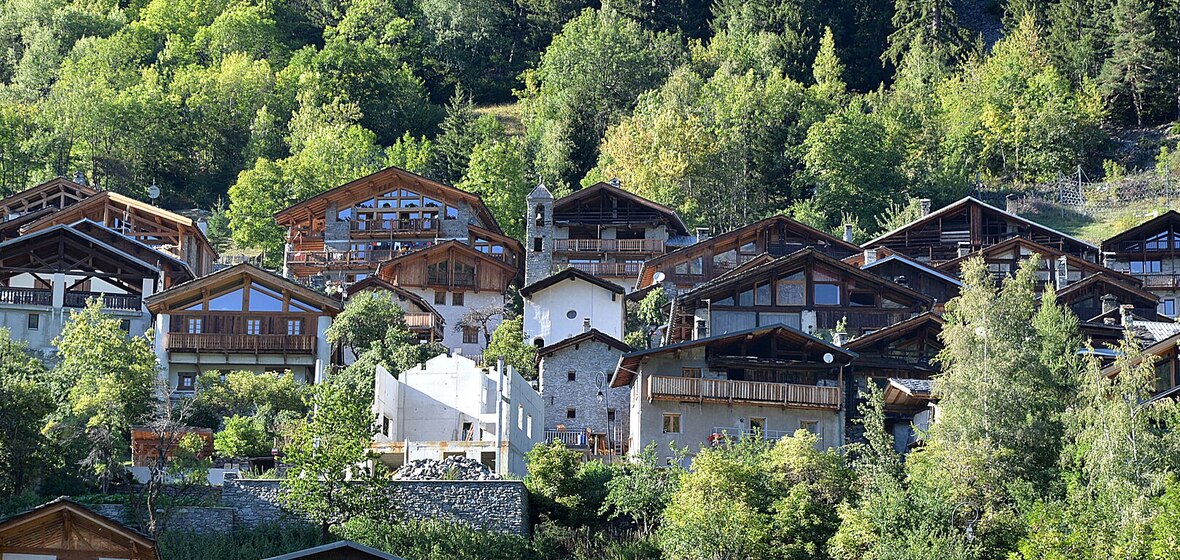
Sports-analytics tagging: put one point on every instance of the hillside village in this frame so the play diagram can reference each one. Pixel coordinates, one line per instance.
(763, 331)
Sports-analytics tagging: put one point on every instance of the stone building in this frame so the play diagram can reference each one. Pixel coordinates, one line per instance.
(581, 408)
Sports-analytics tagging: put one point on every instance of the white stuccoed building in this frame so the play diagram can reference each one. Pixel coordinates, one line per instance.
(570, 303)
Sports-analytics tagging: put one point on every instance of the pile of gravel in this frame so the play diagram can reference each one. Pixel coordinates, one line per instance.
(450, 468)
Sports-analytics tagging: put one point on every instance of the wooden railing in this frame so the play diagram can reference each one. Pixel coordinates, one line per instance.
(393, 226)
(860, 319)
(569, 437)
(609, 269)
(330, 257)
(249, 343)
(1158, 279)
(125, 302)
(464, 279)
(734, 432)
(642, 246)
(786, 394)
(420, 320)
(25, 296)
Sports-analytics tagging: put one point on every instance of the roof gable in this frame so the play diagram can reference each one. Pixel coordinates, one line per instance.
(227, 278)
(65, 249)
(339, 550)
(1017, 244)
(1067, 293)
(55, 193)
(1157, 224)
(593, 335)
(669, 215)
(571, 274)
(63, 526)
(916, 266)
(896, 330)
(377, 284)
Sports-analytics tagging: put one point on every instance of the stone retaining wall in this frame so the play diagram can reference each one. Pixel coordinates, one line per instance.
(199, 519)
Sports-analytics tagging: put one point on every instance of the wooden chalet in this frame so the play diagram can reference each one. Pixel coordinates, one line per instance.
(452, 266)
(1100, 293)
(66, 530)
(159, 228)
(343, 234)
(777, 236)
(1150, 252)
(146, 443)
(806, 290)
(904, 271)
(1166, 361)
(607, 231)
(1057, 268)
(242, 318)
(969, 225)
(52, 195)
(421, 318)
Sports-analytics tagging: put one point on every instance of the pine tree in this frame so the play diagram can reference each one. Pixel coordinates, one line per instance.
(930, 22)
(1134, 58)
(453, 146)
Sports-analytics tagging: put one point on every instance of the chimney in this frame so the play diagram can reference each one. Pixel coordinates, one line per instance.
(1061, 274)
(702, 330)
(925, 203)
(964, 248)
(902, 281)
(79, 177)
(1010, 203)
(702, 234)
(839, 338)
(1109, 321)
(615, 182)
(1109, 303)
(1108, 259)
(848, 233)
(870, 256)
(586, 325)
(1125, 317)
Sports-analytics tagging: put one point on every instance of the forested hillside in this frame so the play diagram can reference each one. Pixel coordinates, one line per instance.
(727, 110)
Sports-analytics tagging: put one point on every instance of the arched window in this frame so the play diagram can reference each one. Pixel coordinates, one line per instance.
(540, 215)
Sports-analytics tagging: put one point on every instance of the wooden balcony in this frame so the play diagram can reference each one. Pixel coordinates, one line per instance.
(634, 246)
(1158, 280)
(363, 228)
(124, 302)
(458, 279)
(609, 269)
(241, 343)
(420, 320)
(25, 296)
(788, 395)
(363, 258)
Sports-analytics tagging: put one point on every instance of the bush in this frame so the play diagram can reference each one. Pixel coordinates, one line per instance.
(436, 540)
(243, 436)
(262, 542)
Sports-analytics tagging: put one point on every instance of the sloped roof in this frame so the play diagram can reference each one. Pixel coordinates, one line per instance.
(897, 329)
(956, 264)
(1169, 217)
(346, 550)
(57, 184)
(442, 247)
(1103, 278)
(898, 257)
(372, 282)
(599, 187)
(970, 201)
(156, 302)
(10, 248)
(591, 335)
(143, 546)
(570, 274)
(625, 371)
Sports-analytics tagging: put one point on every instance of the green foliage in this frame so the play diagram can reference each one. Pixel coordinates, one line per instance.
(242, 436)
(262, 542)
(373, 327)
(508, 343)
(365, 320)
(436, 540)
(642, 489)
(27, 402)
(563, 488)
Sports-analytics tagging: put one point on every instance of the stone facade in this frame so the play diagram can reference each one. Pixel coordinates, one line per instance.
(185, 518)
(560, 395)
(493, 505)
(538, 265)
(457, 228)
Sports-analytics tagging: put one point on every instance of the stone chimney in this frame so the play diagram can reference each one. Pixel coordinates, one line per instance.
(1061, 272)
(848, 233)
(1109, 303)
(1010, 203)
(902, 281)
(1109, 321)
(925, 203)
(615, 182)
(840, 338)
(964, 248)
(870, 256)
(1108, 259)
(1125, 317)
(702, 329)
(586, 325)
(702, 234)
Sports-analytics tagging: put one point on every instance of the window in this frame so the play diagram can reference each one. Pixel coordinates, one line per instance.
(457, 298)
(254, 326)
(610, 415)
(789, 289)
(759, 425)
(294, 327)
(528, 427)
(520, 416)
(1168, 307)
(671, 423)
(1163, 375)
(1145, 267)
(538, 245)
(540, 215)
(470, 335)
(762, 294)
(385, 425)
(571, 375)
(746, 298)
(826, 294)
(34, 321)
(862, 299)
(186, 381)
(691, 372)
(194, 325)
(810, 425)
(571, 414)
(440, 297)
(571, 314)
(125, 325)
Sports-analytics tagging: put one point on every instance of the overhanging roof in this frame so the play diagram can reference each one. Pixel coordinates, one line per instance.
(156, 302)
(570, 274)
(581, 194)
(1171, 216)
(339, 549)
(591, 335)
(899, 328)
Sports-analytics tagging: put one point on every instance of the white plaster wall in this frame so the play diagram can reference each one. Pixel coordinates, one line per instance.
(451, 314)
(546, 311)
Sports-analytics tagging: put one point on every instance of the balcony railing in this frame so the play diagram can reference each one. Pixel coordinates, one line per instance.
(608, 269)
(125, 302)
(25, 296)
(247, 343)
(420, 320)
(1158, 279)
(331, 257)
(393, 226)
(789, 395)
(463, 279)
(640, 246)
(573, 438)
(734, 432)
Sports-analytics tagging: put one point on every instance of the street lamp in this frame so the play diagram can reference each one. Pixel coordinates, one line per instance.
(603, 385)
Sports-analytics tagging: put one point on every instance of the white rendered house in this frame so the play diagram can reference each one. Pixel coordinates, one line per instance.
(570, 303)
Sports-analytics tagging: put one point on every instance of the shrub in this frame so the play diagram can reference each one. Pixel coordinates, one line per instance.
(436, 540)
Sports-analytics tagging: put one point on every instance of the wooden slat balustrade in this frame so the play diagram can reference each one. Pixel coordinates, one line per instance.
(642, 246)
(125, 302)
(609, 268)
(789, 395)
(25, 296)
(249, 343)
(420, 320)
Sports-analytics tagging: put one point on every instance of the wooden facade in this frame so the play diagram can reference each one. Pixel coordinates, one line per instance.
(346, 232)
(421, 317)
(66, 530)
(1149, 251)
(807, 290)
(242, 309)
(142, 222)
(1165, 356)
(904, 271)
(1100, 293)
(451, 266)
(969, 225)
(52, 195)
(1056, 268)
(777, 236)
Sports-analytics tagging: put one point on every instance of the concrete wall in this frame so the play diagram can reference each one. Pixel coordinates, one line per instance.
(559, 394)
(494, 505)
(547, 312)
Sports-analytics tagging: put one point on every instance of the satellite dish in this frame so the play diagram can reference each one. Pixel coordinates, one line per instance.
(828, 357)
(153, 191)
(659, 277)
